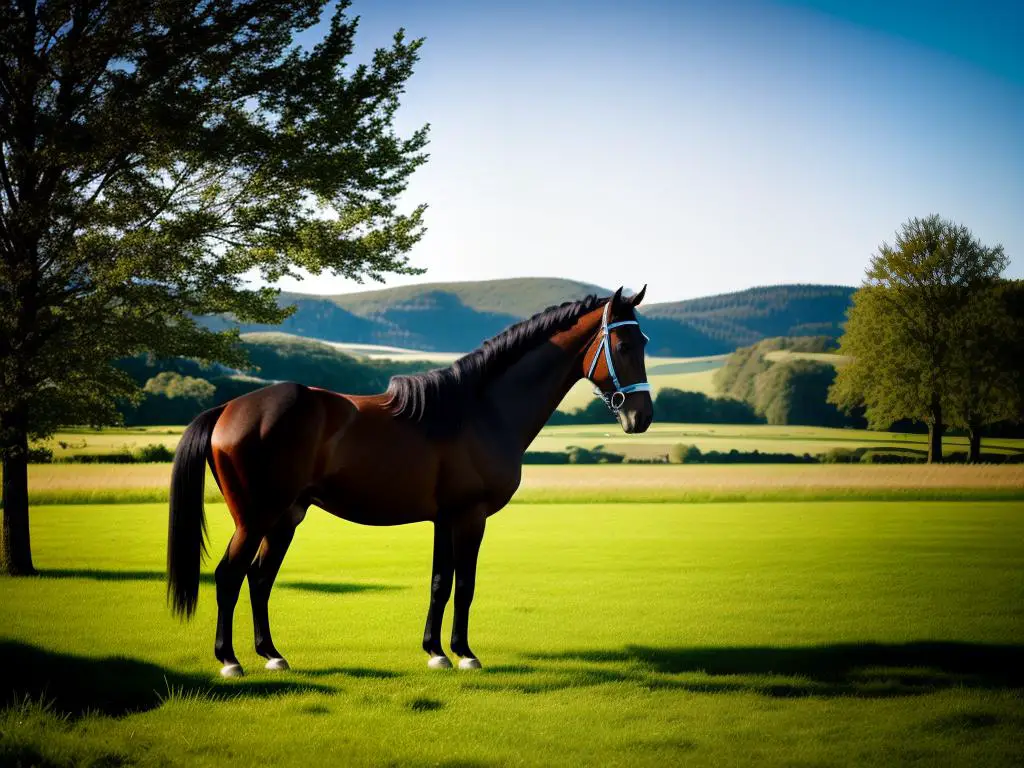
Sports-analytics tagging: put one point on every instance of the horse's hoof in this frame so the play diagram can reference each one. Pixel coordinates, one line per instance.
(439, 662)
(231, 670)
(277, 665)
(469, 663)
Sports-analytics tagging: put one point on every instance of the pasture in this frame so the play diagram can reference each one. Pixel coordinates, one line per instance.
(824, 633)
(655, 442)
(765, 438)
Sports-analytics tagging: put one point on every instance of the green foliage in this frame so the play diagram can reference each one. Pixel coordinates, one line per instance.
(840, 456)
(172, 385)
(691, 454)
(903, 332)
(792, 391)
(161, 162)
(796, 392)
(745, 317)
(873, 456)
(697, 408)
(987, 372)
(681, 453)
(177, 390)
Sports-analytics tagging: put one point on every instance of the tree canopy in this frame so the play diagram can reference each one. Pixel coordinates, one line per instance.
(903, 331)
(155, 158)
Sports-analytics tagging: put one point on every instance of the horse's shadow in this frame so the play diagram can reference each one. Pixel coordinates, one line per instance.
(99, 574)
(117, 685)
(865, 670)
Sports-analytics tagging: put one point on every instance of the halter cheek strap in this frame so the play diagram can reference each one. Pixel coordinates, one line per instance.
(615, 399)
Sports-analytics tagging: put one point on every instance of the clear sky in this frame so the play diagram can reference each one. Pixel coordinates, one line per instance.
(704, 147)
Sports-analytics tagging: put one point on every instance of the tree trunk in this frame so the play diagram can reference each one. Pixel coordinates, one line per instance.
(974, 452)
(935, 430)
(15, 546)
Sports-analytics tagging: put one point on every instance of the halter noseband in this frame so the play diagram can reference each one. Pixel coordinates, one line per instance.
(620, 391)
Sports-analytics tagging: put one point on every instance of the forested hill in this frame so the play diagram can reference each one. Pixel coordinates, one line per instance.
(456, 317)
(746, 317)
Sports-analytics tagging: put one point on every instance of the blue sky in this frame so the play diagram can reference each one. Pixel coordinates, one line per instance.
(704, 147)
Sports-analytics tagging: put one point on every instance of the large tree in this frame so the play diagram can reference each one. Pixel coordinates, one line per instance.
(987, 371)
(157, 156)
(901, 330)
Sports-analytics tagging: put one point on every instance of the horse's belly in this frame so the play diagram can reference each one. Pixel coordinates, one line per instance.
(387, 504)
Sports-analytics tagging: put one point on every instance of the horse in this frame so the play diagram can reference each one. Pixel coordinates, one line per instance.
(444, 446)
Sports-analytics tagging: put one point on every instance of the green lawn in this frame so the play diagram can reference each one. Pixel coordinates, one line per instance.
(724, 634)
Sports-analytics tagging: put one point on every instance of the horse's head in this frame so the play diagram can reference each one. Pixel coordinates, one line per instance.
(614, 362)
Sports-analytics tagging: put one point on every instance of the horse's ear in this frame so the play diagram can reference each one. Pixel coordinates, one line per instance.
(617, 298)
(635, 300)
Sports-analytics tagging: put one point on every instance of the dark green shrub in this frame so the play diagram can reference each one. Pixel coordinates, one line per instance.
(681, 453)
(840, 456)
(154, 453)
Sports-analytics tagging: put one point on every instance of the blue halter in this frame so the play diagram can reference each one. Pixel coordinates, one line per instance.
(620, 391)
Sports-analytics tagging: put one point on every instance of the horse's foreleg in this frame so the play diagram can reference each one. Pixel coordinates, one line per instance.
(440, 590)
(468, 532)
(229, 576)
(262, 574)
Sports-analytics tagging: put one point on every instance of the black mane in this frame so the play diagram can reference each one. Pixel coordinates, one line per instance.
(439, 399)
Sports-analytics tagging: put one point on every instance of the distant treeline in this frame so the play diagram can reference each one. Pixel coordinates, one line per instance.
(175, 391)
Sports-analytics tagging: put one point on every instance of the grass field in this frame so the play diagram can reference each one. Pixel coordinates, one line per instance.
(142, 483)
(656, 441)
(746, 437)
(798, 634)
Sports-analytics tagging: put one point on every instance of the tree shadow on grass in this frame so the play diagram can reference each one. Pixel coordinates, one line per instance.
(116, 686)
(865, 670)
(324, 587)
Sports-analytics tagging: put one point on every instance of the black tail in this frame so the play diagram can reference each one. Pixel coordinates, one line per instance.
(186, 533)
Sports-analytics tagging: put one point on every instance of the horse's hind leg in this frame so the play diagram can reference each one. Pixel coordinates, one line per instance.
(262, 573)
(229, 576)
(442, 570)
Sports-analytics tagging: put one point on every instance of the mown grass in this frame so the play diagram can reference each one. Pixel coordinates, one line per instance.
(842, 633)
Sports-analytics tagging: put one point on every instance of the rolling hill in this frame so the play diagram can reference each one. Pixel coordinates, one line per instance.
(453, 317)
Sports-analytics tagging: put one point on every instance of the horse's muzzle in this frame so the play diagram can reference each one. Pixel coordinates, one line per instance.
(635, 419)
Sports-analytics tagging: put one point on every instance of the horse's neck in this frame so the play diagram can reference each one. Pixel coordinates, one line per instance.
(528, 392)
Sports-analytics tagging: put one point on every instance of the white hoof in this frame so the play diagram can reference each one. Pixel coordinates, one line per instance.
(469, 663)
(231, 670)
(439, 662)
(278, 665)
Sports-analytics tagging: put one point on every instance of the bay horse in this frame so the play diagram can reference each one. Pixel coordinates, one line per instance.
(445, 446)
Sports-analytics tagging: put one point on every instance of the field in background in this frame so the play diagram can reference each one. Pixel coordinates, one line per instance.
(655, 442)
(690, 374)
(821, 634)
(746, 437)
(141, 483)
(782, 355)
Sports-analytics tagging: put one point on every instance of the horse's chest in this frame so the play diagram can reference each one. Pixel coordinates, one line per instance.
(479, 476)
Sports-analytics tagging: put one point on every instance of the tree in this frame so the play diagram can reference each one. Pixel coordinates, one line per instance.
(900, 332)
(157, 155)
(796, 392)
(987, 378)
